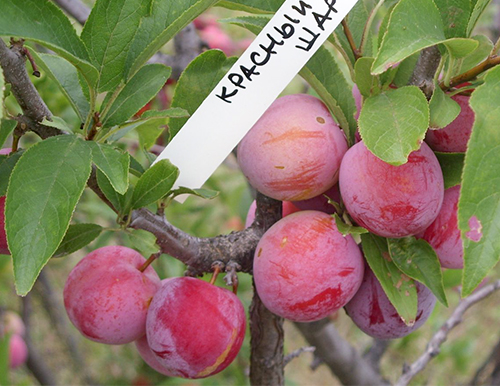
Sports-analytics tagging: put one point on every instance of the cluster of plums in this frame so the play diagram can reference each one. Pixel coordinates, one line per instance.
(304, 268)
(182, 326)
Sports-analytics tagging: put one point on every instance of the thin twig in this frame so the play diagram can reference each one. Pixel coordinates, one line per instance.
(376, 352)
(350, 39)
(297, 353)
(433, 347)
(472, 74)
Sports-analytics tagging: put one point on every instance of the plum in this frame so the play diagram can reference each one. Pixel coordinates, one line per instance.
(321, 202)
(391, 201)
(373, 313)
(454, 137)
(107, 296)
(294, 150)
(18, 351)
(443, 234)
(305, 269)
(194, 329)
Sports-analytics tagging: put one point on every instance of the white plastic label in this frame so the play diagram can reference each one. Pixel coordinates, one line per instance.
(276, 55)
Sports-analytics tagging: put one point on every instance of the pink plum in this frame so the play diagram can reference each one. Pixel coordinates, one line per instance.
(107, 296)
(18, 351)
(373, 313)
(305, 269)
(392, 201)
(443, 234)
(454, 137)
(294, 150)
(194, 329)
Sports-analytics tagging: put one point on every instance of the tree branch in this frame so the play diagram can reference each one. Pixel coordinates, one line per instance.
(433, 347)
(35, 362)
(13, 62)
(343, 360)
(425, 70)
(74, 8)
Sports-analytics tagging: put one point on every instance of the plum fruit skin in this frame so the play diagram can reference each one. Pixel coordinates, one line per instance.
(195, 329)
(391, 201)
(4, 248)
(294, 150)
(18, 351)
(107, 297)
(150, 358)
(454, 137)
(373, 313)
(320, 202)
(305, 269)
(443, 234)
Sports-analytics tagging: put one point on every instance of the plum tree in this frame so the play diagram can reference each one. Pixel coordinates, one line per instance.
(107, 296)
(305, 269)
(454, 137)
(277, 154)
(391, 201)
(443, 234)
(373, 313)
(180, 343)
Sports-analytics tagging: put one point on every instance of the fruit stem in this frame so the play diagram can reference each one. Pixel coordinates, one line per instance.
(217, 266)
(148, 262)
(485, 65)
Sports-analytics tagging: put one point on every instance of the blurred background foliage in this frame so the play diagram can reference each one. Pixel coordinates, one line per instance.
(467, 348)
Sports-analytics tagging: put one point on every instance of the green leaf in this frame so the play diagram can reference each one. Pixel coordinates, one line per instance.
(405, 70)
(155, 123)
(393, 123)
(66, 77)
(197, 81)
(137, 92)
(58, 123)
(356, 21)
(252, 6)
(166, 19)
(135, 167)
(408, 32)
(108, 34)
(6, 166)
(7, 126)
(479, 204)
(114, 163)
(323, 73)
(45, 186)
(477, 11)
(443, 109)
(155, 183)
(418, 260)
(347, 229)
(455, 15)
(43, 22)
(121, 202)
(77, 237)
(207, 194)
(367, 83)
(452, 165)
(398, 287)
(478, 55)
(143, 241)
